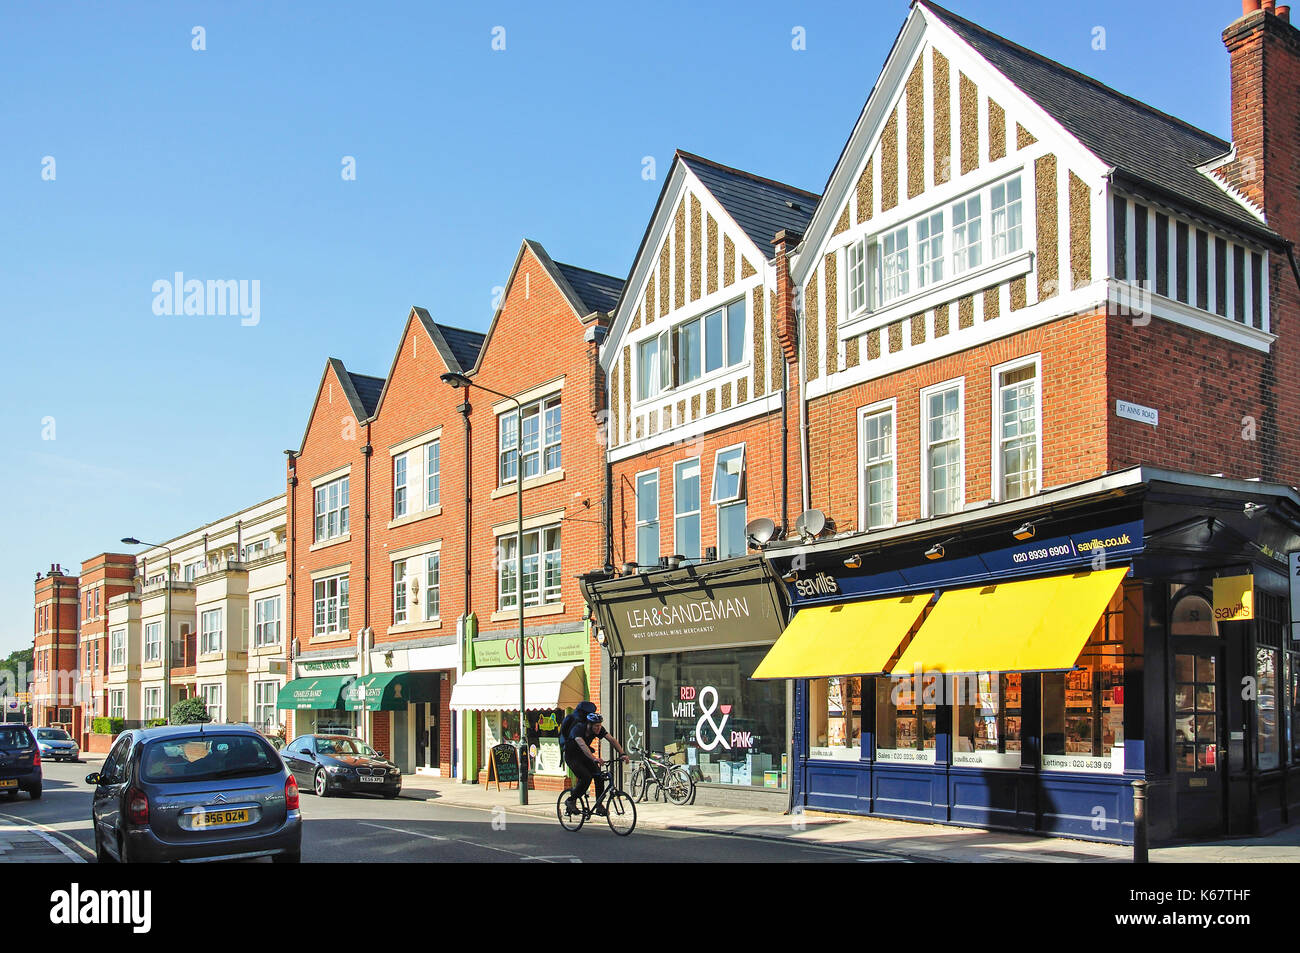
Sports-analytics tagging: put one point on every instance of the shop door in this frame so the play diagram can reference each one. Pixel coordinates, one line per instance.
(431, 722)
(633, 707)
(421, 736)
(1198, 726)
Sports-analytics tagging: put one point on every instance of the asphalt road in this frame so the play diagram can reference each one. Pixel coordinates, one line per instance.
(365, 830)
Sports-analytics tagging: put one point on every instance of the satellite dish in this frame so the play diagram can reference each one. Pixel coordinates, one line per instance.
(760, 530)
(810, 523)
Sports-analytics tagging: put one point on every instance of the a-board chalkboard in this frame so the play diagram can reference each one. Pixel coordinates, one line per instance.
(503, 765)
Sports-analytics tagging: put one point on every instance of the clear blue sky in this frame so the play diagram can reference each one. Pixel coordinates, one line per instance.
(226, 163)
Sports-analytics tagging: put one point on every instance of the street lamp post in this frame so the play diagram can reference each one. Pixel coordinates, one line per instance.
(461, 381)
(167, 623)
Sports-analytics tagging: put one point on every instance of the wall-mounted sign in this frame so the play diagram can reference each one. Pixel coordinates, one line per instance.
(1234, 598)
(1143, 415)
(538, 649)
(326, 665)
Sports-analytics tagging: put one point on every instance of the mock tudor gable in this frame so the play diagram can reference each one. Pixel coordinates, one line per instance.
(693, 346)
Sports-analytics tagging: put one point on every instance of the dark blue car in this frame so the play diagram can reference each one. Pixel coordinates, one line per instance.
(20, 762)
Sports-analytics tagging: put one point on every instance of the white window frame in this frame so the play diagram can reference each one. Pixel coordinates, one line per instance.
(152, 709)
(267, 705)
(656, 522)
(506, 431)
(740, 493)
(864, 280)
(321, 604)
(261, 625)
(117, 647)
(432, 453)
(211, 640)
(401, 483)
(401, 592)
(960, 384)
(657, 378)
(993, 235)
(864, 509)
(541, 594)
(208, 693)
(999, 478)
(117, 703)
(155, 644)
(697, 514)
(927, 263)
(321, 527)
(431, 566)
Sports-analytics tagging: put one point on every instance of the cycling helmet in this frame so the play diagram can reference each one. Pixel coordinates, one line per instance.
(595, 718)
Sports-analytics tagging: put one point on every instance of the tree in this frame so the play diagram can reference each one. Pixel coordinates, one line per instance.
(190, 711)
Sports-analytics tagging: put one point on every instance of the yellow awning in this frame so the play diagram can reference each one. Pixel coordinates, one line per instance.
(856, 638)
(1034, 625)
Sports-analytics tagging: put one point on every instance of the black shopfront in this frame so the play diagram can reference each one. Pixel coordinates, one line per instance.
(1146, 579)
(683, 646)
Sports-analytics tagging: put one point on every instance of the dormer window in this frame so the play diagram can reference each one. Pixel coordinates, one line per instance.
(692, 350)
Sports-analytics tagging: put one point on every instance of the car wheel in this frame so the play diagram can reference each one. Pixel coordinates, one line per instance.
(320, 783)
(35, 793)
(294, 858)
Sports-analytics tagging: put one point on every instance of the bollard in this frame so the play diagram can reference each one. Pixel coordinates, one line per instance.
(1140, 822)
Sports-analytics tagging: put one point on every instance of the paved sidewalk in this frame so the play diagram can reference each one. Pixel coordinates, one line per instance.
(906, 839)
(29, 845)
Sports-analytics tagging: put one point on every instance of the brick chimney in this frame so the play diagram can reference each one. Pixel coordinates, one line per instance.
(1264, 50)
(785, 242)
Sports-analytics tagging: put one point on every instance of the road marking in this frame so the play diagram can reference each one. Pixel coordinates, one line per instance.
(399, 830)
(45, 834)
(557, 858)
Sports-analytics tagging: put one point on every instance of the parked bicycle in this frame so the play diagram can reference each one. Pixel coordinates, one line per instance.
(673, 781)
(620, 810)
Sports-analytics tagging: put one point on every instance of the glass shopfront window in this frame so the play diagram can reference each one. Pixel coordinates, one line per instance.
(1083, 709)
(706, 711)
(1293, 678)
(987, 719)
(1268, 736)
(907, 718)
(835, 718)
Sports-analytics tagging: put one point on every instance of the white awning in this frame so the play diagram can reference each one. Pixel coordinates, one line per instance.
(554, 685)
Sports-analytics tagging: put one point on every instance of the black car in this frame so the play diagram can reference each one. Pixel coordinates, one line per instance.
(20, 761)
(327, 764)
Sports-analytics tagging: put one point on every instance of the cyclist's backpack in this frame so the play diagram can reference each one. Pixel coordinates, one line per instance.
(579, 714)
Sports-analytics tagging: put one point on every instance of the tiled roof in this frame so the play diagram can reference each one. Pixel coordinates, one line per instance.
(598, 292)
(1145, 145)
(368, 390)
(761, 207)
(464, 345)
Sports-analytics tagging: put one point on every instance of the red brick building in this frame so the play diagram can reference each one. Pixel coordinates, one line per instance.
(54, 651)
(102, 577)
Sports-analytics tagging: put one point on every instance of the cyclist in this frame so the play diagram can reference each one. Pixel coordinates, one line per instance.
(585, 765)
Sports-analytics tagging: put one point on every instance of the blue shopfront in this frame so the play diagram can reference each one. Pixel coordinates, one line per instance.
(1021, 665)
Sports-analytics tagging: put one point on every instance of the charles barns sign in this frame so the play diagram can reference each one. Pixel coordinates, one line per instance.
(713, 606)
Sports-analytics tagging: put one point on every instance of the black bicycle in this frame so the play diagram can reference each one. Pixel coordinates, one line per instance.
(618, 807)
(673, 781)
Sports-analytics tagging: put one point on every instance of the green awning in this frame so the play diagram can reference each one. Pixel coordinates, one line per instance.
(321, 692)
(391, 691)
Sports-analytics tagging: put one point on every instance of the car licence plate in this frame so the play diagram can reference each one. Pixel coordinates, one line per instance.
(9, 783)
(368, 779)
(219, 818)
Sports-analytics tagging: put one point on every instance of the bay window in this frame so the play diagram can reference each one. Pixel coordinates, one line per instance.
(210, 631)
(331, 509)
(330, 603)
(686, 508)
(647, 518)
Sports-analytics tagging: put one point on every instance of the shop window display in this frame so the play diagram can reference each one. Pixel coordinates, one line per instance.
(907, 718)
(704, 710)
(835, 718)
(1083, 709)
(1268, 736)
(987, 719)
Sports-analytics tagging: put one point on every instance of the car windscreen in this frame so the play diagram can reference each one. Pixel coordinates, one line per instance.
(14, 736)
(207, 758)
(51, 734)
(344, 746)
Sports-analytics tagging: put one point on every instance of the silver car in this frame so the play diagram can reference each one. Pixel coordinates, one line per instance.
(194, 793)
(56, 745)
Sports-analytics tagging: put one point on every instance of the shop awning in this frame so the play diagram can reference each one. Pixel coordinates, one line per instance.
(321, 692)
(1035, 625)
(556, 685)
(856, 638)
(390, 691)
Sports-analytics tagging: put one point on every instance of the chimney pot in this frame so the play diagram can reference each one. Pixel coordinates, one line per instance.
(1249, 6)
(1268, 5)
(1284, 14)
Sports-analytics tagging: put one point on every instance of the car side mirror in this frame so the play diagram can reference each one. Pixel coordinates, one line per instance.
(94, 778)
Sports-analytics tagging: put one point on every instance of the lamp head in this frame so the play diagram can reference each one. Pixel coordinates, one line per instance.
(130, 540)
(458, 381)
